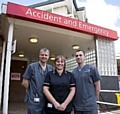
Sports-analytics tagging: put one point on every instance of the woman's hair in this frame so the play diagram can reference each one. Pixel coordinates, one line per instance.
(63, 58)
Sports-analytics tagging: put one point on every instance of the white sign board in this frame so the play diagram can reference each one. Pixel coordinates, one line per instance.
(13, 47)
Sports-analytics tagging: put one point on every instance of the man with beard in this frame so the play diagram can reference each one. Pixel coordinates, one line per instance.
(33, 80)
(87, 86)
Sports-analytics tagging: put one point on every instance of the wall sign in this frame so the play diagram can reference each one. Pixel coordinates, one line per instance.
(15, 76)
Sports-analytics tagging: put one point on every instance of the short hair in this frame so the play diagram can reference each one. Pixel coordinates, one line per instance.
(80, 50)
(63, 58)
(44, 49)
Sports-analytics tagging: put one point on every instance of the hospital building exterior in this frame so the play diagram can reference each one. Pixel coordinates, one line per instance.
(58, 25)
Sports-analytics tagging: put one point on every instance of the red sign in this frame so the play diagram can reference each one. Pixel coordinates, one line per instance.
(39, 16)
(15, 76)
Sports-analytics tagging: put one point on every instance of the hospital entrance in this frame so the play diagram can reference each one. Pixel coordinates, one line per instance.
(59, 41)
(61, 35)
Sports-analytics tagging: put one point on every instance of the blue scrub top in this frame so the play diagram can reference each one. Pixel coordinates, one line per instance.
(36, 76)
(85, 97)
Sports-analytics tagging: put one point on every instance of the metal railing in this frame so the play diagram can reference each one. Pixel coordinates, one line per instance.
(107, 104)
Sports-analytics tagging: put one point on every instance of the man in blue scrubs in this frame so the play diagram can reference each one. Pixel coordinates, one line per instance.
(87, 86)
(33, 80)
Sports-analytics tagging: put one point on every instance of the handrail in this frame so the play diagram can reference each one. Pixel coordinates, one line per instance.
(110, 91)
(107, 103)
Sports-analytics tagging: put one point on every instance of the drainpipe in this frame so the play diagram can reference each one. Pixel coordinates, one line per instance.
(7, 69)
(72, 7)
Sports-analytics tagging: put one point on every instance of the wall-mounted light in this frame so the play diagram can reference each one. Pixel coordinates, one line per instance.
(21, 54)
(52, 58)
(33, 40)
(75, 47)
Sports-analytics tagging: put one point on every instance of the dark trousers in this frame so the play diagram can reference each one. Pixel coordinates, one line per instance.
(60, 113)
(86, 112)
(35, 111)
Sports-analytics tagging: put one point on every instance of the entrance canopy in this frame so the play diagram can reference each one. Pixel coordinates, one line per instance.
(58, 40)
(56, 32)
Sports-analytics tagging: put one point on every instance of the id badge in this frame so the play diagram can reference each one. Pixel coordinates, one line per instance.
(49, 105)
(37, 100)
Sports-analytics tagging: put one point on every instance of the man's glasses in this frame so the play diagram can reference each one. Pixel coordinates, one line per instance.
(78, 55)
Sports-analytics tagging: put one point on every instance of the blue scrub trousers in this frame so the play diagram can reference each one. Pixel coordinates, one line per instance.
(35, 111)
(61, 113)
(86, 112)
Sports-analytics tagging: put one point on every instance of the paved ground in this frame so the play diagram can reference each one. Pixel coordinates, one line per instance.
(111, 112)
(17, 108)
(20, 108)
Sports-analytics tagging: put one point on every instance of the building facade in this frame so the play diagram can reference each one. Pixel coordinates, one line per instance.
(58, 25)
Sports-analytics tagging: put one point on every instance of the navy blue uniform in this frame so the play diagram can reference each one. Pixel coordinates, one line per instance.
(34, 94)
(85, 96)
(59, 87)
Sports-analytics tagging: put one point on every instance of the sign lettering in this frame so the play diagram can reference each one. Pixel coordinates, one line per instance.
(39, 16)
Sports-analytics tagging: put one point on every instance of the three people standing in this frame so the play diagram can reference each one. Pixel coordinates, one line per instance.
(61, 88)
